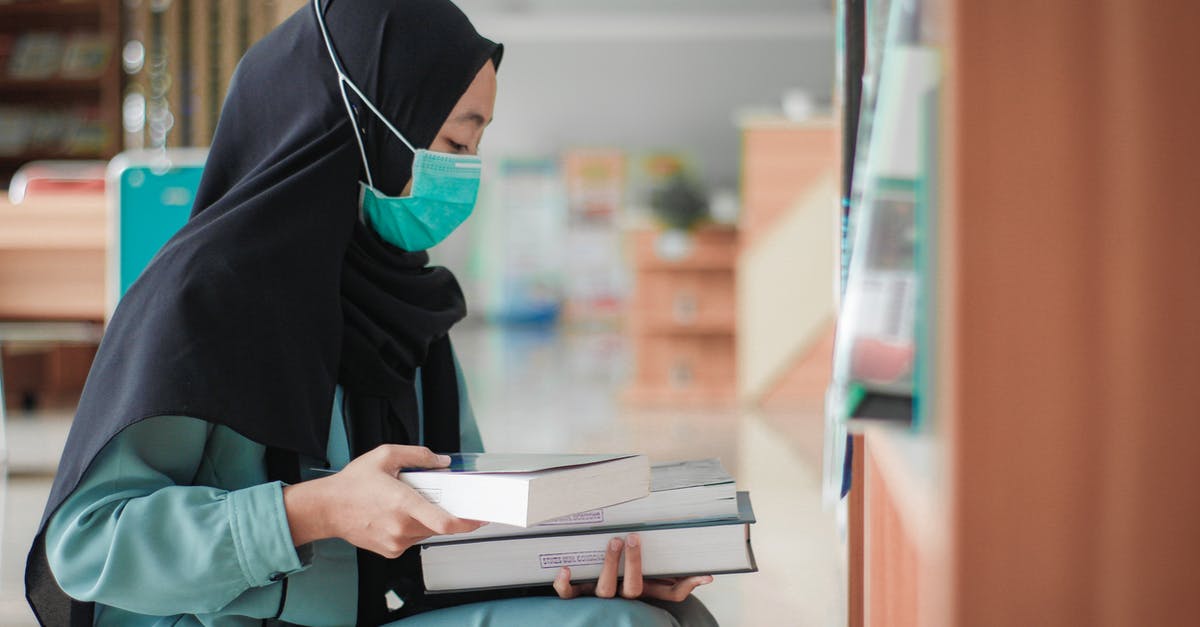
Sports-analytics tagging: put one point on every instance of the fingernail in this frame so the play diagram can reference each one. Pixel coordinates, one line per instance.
(614, 544)
(708, 579)
(632, 540)
(562, 573)
(444, 460)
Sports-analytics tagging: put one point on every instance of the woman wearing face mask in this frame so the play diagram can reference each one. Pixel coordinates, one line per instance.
(294, 324)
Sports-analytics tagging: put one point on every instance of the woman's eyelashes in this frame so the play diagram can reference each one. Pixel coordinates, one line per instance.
(449, 144)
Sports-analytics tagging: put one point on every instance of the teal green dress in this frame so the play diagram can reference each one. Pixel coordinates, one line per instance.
(176, 524)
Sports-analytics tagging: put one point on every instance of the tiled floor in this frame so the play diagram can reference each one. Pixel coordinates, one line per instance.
(538, 391)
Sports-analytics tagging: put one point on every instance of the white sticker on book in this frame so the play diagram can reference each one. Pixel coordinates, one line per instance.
(433, 495)
(582, 518)
(576, 558)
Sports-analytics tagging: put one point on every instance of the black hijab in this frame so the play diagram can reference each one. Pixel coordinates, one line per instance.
(274, 292)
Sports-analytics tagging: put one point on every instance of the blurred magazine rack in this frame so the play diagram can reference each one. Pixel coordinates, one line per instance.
(878, 360)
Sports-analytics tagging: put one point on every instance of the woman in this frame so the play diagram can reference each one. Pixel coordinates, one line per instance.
(293, 324)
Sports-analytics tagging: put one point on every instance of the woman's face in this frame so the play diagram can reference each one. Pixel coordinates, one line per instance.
(463, 129)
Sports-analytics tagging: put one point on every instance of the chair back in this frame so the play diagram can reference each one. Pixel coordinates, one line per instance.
(150, 198)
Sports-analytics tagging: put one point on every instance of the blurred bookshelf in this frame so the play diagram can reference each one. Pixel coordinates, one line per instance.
(60, 81)
(1036, 479)
(897, 545)
(86, 79)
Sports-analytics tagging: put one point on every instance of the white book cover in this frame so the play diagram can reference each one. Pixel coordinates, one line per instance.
(526, 489)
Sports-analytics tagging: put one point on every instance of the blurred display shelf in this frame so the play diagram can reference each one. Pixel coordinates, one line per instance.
(10, 87)
(25, 8)
(43, 12)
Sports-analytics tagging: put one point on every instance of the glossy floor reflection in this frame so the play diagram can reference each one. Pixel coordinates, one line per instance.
(546, 391)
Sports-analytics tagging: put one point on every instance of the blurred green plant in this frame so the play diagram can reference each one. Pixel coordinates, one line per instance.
(679, 202)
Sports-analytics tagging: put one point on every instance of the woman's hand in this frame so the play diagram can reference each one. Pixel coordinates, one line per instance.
(632, 584)
(367, 505)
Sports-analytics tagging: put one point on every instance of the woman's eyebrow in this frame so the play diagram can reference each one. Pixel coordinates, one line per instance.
(473, 117)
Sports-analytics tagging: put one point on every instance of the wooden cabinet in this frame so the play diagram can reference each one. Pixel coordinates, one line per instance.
(782, 160)
(682, 319)
(684, 301)
(786, 266)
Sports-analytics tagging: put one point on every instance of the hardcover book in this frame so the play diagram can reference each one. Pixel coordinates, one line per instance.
(671, 549)
(526, 489)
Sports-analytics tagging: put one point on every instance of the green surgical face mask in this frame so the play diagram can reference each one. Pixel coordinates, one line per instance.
(444, 186)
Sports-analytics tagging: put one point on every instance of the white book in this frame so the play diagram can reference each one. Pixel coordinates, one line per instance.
(668, 550)
(526, 489)
(687, 490)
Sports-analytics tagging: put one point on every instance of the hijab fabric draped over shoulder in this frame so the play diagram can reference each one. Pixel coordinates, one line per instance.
(274, 292)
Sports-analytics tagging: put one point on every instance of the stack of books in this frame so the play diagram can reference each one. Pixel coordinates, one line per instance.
(690, 516)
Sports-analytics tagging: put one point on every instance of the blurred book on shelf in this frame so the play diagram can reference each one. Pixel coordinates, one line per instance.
(86, 56)
(876, 360)
(7, 41)
(63, 131)
(36, 55)
(46, 55)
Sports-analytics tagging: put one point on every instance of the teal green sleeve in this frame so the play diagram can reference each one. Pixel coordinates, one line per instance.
(469, 437)
(134, 536)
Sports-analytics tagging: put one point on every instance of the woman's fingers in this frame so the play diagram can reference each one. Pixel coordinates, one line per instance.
(606, 585)
(562, 585)
(436, 519)
(398, 456)
(631, 586)
(674, 590)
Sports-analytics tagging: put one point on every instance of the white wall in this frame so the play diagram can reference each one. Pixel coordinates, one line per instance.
(649, 81)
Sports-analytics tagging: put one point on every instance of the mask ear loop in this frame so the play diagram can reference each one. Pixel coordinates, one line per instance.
(344, 82)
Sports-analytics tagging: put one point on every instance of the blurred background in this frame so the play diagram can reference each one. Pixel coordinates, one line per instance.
(682, 199)
(641, 151)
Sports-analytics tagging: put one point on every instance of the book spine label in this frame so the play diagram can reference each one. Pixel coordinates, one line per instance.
(573, 558)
